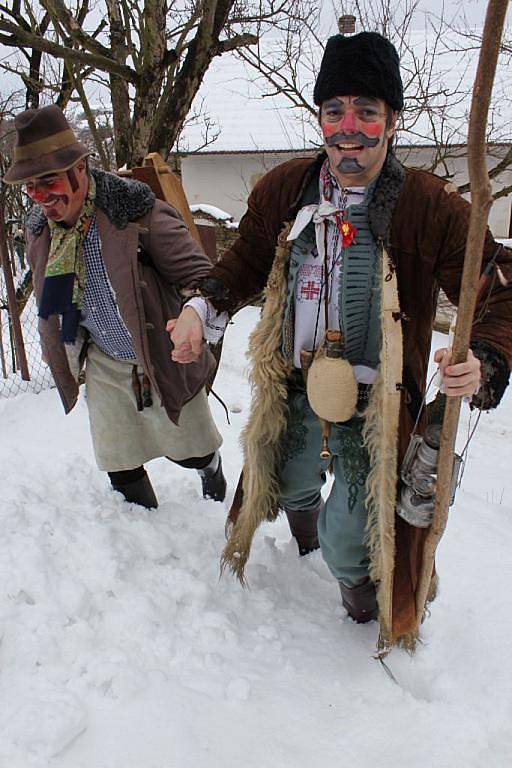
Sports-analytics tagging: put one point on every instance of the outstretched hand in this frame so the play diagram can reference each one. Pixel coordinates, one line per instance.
(186, 333)
(463, 379)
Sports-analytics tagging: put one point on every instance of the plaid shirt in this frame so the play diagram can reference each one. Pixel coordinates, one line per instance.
(100, 313)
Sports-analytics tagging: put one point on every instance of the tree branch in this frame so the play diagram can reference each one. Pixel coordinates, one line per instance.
(233, 43)
(19, 38)
(503, 165)
(61, 15)
(91, 122)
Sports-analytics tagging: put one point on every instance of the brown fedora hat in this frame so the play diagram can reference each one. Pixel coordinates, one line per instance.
(45, 144)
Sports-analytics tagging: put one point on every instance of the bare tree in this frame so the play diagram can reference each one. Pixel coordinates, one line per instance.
(152, 56)
(12, 195)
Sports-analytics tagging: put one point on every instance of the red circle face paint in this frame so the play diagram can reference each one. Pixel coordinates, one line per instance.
(374, 130)
(329, 129)
(45, 189)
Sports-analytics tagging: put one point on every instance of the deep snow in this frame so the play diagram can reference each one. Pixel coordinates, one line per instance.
(121, 648)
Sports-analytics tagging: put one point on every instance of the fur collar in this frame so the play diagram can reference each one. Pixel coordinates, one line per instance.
(122, 200)
(385, 195)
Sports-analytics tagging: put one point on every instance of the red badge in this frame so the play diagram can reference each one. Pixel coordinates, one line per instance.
(348, 232)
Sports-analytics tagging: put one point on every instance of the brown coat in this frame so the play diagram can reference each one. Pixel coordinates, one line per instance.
(146, 295)
(425, 233)
(427, 241)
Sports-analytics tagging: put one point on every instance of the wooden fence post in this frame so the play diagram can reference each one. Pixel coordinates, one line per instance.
(11, 297)
(2, 350)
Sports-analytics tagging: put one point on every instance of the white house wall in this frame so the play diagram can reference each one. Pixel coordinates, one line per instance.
(225, 180)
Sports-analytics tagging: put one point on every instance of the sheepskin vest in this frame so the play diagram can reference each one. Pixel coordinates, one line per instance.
(271, 369)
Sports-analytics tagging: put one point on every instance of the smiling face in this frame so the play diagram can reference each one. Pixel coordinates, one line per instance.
(61, 195)
(356, 131)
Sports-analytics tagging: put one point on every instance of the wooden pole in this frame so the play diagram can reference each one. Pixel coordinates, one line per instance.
(481, 200)
(11, 298)
(2, 350)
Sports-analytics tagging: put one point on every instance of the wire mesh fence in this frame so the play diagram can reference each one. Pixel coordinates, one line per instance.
(12, 381)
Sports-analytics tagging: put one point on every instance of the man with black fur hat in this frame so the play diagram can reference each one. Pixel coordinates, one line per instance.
(108, 262)
(350, 250)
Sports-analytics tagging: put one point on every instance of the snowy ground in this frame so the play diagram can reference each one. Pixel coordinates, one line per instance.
(121, 648)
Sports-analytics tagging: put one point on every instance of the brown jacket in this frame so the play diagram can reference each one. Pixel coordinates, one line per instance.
(427, 240)
(424, 222)
(146, 293)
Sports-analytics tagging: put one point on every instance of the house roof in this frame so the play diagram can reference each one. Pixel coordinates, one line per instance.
(234, 97)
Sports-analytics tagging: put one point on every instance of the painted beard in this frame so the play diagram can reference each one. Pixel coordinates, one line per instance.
(350, 165)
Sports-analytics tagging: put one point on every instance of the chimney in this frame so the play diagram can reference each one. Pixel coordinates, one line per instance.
(347, 24)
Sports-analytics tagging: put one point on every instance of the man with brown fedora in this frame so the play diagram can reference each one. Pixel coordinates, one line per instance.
(350, 250)
(109, 262)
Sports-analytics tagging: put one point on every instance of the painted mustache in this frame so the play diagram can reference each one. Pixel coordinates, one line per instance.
(52, 200)
(353, 138)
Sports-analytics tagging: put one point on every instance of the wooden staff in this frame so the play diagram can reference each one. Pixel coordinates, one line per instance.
(481, 201)
(11, 298)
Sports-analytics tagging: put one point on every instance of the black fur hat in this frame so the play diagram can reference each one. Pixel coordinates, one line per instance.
(365, 64)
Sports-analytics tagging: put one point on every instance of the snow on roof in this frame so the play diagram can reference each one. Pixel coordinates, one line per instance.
(235, 97)
(211, 210)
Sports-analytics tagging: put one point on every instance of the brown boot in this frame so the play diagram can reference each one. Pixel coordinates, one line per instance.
(360, 601)
(303, 525)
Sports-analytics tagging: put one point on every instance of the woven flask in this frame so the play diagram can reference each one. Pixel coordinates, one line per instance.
(331, 383)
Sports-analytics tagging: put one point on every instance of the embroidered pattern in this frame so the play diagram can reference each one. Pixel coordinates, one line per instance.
(347, 442)
(293, 440)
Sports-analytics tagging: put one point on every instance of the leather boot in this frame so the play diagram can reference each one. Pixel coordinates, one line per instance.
(136, 491)
(360, 601)
(303, 525)
(213, 481)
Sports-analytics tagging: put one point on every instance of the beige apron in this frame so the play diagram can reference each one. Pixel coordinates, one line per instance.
(123, 437)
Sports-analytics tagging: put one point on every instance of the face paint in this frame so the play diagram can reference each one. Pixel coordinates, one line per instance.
(355, 133)
(349, 115)
(373, 129)
(47, 189)
(329, 129)
(73, 181)
(348, 166)
(60, 195)
(52, 193)
(357, 139)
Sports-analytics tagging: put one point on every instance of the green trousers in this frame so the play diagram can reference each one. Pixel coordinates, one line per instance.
(342, 521)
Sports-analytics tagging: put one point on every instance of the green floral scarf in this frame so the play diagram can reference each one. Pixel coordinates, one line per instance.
(65, 271)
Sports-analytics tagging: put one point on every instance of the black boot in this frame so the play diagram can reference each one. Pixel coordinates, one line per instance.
(360, 601)
(135, 486)
(213, 480)
(303, 526)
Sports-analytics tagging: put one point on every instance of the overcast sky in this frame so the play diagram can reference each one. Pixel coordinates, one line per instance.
(472, 10)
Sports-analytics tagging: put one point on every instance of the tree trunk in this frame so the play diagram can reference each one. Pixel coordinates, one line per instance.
(175, 105)
(11, 299)
(119, 88)
(153, 48)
